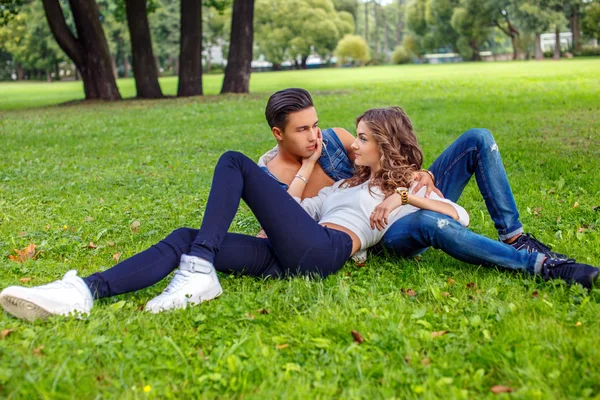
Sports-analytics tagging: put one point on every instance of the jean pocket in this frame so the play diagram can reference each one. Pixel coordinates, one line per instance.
(320, 261)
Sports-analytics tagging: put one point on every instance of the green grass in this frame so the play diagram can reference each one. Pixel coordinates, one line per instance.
(71, 175)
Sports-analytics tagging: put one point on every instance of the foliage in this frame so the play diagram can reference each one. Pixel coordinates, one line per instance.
(401, 56)
(591, 21)
(353, 49)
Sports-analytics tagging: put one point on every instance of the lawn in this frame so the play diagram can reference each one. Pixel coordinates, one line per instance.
(77, 180)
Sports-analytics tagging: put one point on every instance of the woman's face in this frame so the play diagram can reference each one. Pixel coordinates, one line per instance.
(366, 150)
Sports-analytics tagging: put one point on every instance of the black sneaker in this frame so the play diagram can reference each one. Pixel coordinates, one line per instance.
(570, 271)
(530, 244)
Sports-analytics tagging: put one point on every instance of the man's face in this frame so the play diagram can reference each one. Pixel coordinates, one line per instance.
(300, 134)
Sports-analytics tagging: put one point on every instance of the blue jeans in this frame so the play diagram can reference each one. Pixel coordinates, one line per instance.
(474, 152)
(298, 245)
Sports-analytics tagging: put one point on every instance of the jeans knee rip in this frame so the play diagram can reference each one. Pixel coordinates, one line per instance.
(442, 223)
(494, 147)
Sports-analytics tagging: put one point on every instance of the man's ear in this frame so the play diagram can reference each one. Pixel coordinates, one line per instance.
(277, 133)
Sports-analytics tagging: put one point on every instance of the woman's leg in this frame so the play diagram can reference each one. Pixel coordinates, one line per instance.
(300, 244)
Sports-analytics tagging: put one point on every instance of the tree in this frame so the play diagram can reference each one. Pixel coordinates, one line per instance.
(533, 17)
(352, 48)
(190, 54)
(145, 69)
(591, 21)
(473, 21)
(502, 20)
(165, 25)
(89, 50)
(237, 72)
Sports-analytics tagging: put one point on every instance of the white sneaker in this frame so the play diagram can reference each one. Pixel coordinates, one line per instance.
(195, 281)
(67, 296)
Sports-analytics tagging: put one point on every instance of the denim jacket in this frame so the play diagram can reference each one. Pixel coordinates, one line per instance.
(334, 158)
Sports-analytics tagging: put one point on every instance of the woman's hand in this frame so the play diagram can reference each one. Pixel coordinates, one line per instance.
(379, 216)
(423, 179)
(315, 156)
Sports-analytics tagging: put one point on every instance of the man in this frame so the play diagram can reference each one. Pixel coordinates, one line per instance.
(293, 120)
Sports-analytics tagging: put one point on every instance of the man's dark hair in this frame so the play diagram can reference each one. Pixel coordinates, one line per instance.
(284, 102)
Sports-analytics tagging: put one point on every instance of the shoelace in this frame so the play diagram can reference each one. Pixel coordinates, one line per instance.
(179, 279)
(560, 266)
(532, 243)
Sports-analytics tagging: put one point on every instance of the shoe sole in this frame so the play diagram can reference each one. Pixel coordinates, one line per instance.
(23, 309)
(203, 298)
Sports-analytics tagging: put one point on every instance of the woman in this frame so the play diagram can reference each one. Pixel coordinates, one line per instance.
(351, 217)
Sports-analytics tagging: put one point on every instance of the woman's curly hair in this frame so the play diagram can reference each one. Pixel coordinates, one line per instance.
(400, 154)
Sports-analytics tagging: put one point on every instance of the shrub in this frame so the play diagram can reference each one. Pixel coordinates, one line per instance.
(401, 56)
(352, 48)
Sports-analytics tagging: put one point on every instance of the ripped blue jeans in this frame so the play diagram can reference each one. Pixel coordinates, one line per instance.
(475, 152)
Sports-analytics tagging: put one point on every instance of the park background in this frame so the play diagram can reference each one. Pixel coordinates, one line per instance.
(88, 179)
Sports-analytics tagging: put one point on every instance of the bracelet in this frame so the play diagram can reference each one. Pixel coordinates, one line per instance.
(403, 192)
(301, 177)
(429, 173)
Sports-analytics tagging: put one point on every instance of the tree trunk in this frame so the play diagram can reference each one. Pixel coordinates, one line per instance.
(303, 62)
(539, 54)
(125, 66)
(574, 19)
(367, 21)
(114, 67)
(20, 72)
(89, 51)
(276, 67)
(400, 26)
(556, 55)
(57, 71)
(144, 67)
(475, 47)
(237, 72)
(48, 76)
(190, 49)
(515, 47)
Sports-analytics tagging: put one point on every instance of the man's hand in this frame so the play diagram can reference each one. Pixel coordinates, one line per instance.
(379, 216)
(423, 179)
(262, 234)
(315, 156)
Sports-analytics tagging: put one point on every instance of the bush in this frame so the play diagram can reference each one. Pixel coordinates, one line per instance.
(588, 51)
(401, 56)
(352, 48)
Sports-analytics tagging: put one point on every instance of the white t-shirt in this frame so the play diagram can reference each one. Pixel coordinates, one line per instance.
(352, 208)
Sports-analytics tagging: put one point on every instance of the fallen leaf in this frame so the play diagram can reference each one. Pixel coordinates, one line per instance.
(581, 230)
(201, 354)
(263, 311)
(101, 200)
(407, 360)
(249, 315)
(558, 219)
(426, 361)
(25, 280)
(47, 227)
(281, 346)
(111, 244)
(116, 256)
(89, 218)
(438, 333)
(496, 389)
(6, 332)
(472, 285)
(445, 294)
(451, 281)
(536, 211)
(551, 191)
(578, 323)
(576, 204)
(135, 225)
(26, 254)
(409, 292)
(22, 234)
(358, 338)
(360, 264)
(535, 294)
(39, 351)
(91, 245)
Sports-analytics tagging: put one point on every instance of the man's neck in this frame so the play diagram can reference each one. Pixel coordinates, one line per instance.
(288, 158)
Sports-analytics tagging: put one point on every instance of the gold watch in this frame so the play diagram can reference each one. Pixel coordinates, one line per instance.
(403, 192)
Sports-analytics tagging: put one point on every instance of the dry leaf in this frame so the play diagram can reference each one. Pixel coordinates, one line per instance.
(281, 346)
(101, 200)
(578, 323)
(25, 280)
(89, 218)
(22, 234)
(263, 311)
(445, 294)
(92, 246)
(536, 211)
(360, 264)
(358, 338)
(135, 225)
(576, 204)
(6, 332)
(407, 360)
(472, 285)
(111, 244)
(38, 351)
(496, 389)
(201, 355)
(47, 227)
(249, 315)
(535, 294)
(438, 333)
(451, 281)
(116, 256)
(581, 230)
(409, 292)
(426, 361)
(558, 219)
(25, 254)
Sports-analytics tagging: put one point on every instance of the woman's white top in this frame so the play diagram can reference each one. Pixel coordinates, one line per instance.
(352, 208)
